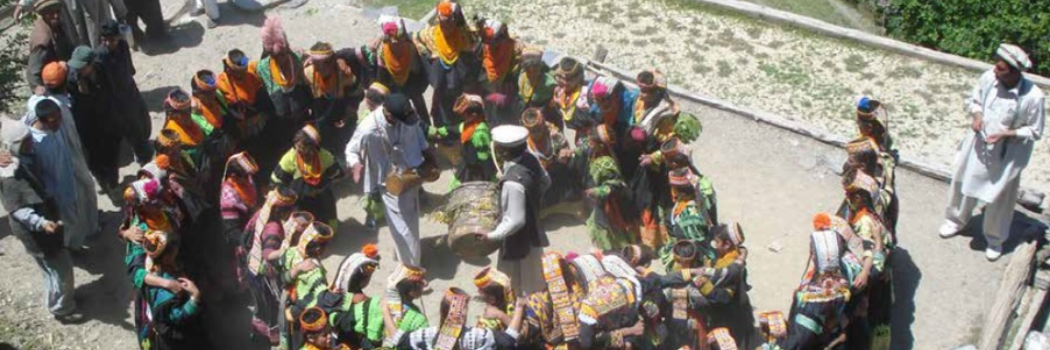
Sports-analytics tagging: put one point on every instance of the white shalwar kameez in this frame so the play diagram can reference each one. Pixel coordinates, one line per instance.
(384, 146)
(991, 173)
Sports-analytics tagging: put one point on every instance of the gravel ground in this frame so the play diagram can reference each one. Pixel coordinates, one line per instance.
(770, 180)
(763, 66)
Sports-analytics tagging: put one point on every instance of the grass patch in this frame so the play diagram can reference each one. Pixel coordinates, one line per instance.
(724, 69)
(905, 71)
(414, 9)
(855, 63)
(786, 73)
(702, 69)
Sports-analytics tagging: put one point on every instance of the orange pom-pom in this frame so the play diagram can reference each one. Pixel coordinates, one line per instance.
(370, 251)
(821, 221)
(163, 161)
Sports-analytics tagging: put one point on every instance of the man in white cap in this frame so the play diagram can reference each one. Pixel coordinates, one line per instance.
(1008, 117)
(521, 191)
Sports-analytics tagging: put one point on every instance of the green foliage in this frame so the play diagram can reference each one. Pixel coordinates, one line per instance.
(12, 64)
(974, 28)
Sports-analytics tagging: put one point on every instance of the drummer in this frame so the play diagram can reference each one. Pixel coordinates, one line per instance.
(522, 185)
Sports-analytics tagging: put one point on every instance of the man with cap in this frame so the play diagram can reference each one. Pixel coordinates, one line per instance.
(81, 215)
(1008, 117)
(35, 220)
(521, 193)
(133, 122)
(85, 17)
(50, 41)
(386, 152)
(93, 106)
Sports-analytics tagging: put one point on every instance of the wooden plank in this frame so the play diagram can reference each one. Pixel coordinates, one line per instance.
(1033, 302)
(1013, 284)
(821, 27)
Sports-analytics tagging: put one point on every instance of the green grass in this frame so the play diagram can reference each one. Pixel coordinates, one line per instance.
(414, 9)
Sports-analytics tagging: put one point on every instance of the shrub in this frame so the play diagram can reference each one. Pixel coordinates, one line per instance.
(975, 28)
(12, 64)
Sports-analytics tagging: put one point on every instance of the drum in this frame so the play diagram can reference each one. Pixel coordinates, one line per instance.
(473, 209)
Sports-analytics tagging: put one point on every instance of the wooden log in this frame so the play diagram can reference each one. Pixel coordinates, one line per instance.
(1013, 284)
(1032, 303)
(766, 13)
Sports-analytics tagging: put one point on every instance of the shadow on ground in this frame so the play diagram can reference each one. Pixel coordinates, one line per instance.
(1022, 229)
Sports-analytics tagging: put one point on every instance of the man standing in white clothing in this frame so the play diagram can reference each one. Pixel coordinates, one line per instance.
(390, 141)
(1008, 116)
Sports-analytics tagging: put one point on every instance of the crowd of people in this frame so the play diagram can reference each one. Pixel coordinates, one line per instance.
(251, 154)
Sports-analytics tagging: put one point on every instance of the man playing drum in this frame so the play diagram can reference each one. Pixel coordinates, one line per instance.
(521, 191)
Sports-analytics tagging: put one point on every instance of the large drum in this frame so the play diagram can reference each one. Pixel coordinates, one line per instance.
(473, 209)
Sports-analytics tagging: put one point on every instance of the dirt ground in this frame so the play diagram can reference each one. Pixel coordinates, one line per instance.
(769, 180)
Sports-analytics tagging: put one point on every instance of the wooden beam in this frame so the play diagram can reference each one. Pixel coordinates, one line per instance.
(1031, 304)
(1013, 284)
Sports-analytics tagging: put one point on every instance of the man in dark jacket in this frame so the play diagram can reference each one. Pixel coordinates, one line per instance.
(34, 220)
(130, 112)
(521, 191)
(93, 106)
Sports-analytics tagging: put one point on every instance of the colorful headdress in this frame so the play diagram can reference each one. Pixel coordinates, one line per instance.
(826, 250)
(736, 233)
(364, 262)
(531, 117)
(489, 277)
(684, 251)
(156, 243)
(588, 269)
(604, 86)
(565, 313)
(379, 88)
(168, 138)
(312, 133)
(468, 103)
(177, 101)
(679, 177)
(619, 268)
(392, 26)
(773, 324)
(864, 183)
(321, 51)
(455, 319)
(318, 233)
(146, 190)
(157, 169)
(204, 81)
(868, 108)
(313, 320)
(861, 146)
(569, 69)
(532, 57)
(295, 225)
(273, 37)
(236, 59)
(493, 29)
(447, 8)
(244, 162)
(651, 80)
(633, 254)
(721, 338)
(407, 273)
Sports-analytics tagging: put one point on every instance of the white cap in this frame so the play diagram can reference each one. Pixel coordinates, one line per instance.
(509, 135)
(1014, 56)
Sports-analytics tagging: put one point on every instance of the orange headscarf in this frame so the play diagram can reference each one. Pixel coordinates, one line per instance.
(498, 58)
(449, 44)
(397, 57)
(190, 134)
